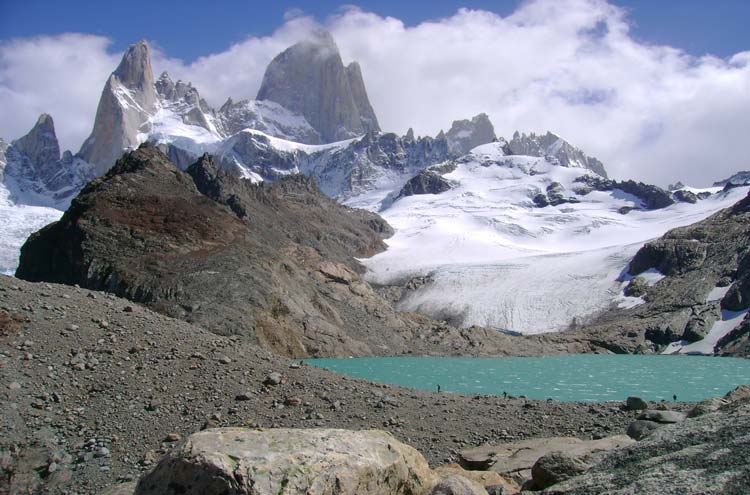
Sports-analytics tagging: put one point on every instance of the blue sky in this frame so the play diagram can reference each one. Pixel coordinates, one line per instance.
(190, 28)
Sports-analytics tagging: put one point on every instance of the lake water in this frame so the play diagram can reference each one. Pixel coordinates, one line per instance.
(583, 377)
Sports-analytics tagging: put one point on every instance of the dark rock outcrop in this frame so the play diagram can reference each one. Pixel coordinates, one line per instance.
(310, 79)
(426, 182)
(685, 196)
(279, 256)
(652, 197)
(694, 259)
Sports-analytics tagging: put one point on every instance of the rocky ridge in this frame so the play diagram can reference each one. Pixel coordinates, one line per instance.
(694, 261)
(280, 255)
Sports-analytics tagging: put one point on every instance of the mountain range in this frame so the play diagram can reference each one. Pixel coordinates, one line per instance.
(522, 235)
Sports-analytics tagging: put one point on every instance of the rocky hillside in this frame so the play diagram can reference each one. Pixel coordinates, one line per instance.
(691, 281)
(273, 264)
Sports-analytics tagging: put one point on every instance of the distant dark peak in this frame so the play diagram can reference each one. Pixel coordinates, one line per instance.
(40, 144)
(147, 156)
(134, 70)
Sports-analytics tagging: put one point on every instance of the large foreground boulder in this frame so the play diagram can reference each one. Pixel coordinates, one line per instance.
(227, 461)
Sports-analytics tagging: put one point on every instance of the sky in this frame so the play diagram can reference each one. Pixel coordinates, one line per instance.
(658, 90)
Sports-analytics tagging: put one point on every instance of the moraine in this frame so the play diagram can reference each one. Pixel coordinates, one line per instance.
(565, 378)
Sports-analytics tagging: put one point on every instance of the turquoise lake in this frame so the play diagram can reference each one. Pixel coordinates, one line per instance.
(565, 378)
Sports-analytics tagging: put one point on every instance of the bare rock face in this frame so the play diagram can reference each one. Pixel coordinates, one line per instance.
(310, 79)
(268, 462)
(553, 147)
(40, 175)
(704, 455)
(128, 98)
(464, 135)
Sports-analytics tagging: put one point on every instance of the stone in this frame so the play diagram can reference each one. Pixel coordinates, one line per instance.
(173, 437)
(554, 468)
(640, 429)
(637, 287)
(272, 461)
(663, 416)
(517, 458)
(273, 379)
(635, 404)
(458, 485)
(484, 478)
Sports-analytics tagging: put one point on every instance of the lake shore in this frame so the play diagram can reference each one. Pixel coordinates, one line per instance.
(105, 386)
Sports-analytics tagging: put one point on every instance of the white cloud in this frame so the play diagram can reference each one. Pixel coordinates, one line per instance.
(649, 112)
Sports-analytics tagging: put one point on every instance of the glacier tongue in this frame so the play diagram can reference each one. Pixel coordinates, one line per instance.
(493, 258)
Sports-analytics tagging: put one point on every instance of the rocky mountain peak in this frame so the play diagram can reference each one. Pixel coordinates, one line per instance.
(310, 79)
(135, 70)
(128, 100)
(553, 147)
(464, 135)
(40, 144)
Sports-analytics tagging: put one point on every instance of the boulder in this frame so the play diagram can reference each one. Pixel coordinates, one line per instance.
(637, 287)
(517, 458)
(640, 429)
(458, 485)
(291, 461)
(554, 468)
(484, 478)
(664, 417)
(635, 404)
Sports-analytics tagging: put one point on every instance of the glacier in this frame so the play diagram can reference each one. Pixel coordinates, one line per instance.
(491, 257)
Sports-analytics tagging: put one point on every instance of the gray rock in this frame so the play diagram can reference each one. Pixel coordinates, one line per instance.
(685, 196)
(464, 135)
(41, 175)
(662, 416)
(554, 468)
(706, 455)
(273, 379)
(637, 287)
(518, 457)
(555, 149)
(635, 403)
(310, 79)
(640, 429)
(458, 485)
(266, 462)
(426, 182)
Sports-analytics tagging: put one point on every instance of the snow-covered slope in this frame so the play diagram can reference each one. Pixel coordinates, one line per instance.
(494, 258)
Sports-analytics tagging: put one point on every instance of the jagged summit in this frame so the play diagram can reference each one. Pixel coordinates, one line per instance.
(128, 99)
(552, 145)
(36, 174)
(310, 79)
(135, 70)
(464, 135)
(40, 145)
